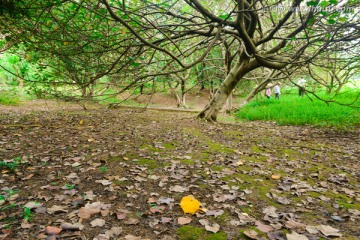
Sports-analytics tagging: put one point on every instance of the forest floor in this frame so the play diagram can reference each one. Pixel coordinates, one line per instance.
(68, 173)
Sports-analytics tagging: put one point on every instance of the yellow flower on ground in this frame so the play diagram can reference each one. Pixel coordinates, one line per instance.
(189, 204)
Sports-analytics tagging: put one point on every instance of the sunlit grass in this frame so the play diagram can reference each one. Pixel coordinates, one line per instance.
(291, 109)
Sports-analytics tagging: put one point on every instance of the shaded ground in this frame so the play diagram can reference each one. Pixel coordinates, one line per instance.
(194, 100)
(131, 168)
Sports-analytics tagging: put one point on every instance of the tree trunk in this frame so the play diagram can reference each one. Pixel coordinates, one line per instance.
(217, 102)
(229, 103)
(83, 91)
(180, 99)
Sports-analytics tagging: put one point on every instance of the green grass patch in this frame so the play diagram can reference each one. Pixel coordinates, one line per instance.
(294, 110)
(8, 98)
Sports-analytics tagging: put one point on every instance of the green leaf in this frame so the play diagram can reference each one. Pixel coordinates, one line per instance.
(335, 14)
(342, 19)
(164, 5)
(186, 9)
(287, 48)
(135, 64)
(103, 11)
(225, 16)
(333, 1)
(324, 4)
(207, 68)
(133, 23)
(311, 21)
(328, 35)
(324, 13)
(331, 21)
(312, 3)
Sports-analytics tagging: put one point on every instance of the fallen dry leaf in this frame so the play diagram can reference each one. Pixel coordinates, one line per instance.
(251, 234)
(263, 227)
(312, 230)
(132, 221)
(98, 222)
(26, 225)
(165, 220)
(132, 237)
(283, 200)
(214, 213)
(113, 232)
(162, 200)
(72, 227)
(179, 189)
(157, 209)
(57, 209)
(28, 177)
(211, 227)
(292, 224)
(104, 182)
(184, 220)
(52, 230)
(33, 204)
(271, 212)
(276, 176)
(329, 231)
(89, 195)
(86, 212)
(296, 236)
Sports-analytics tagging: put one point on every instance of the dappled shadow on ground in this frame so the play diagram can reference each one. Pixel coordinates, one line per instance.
(118, 174)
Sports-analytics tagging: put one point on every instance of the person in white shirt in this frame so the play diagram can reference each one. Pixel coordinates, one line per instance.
(302, 85)
(277, 90)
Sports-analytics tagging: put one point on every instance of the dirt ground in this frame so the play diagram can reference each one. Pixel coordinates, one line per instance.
(121, 174)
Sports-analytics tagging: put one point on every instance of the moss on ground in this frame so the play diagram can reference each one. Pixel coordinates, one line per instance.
(120, 183)
(218, 147)
(196, 233)
(187, 161)
(149, 163)
(190, 233)
(169, 146)
(256, 149)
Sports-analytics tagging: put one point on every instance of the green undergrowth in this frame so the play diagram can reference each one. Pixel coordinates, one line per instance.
(291, 109)
(8, 98)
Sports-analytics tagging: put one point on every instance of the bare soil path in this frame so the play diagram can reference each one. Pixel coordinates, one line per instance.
(120, 174)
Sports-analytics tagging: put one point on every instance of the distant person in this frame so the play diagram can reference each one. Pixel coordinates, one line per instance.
(277, 90)
(268, 92)
(302, 85)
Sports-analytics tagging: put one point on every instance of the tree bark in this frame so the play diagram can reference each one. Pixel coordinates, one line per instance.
(235, 75)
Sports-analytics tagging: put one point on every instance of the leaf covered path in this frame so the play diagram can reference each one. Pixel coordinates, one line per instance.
(120, 174)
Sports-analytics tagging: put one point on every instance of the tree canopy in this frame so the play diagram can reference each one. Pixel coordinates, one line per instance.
(134, 42)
